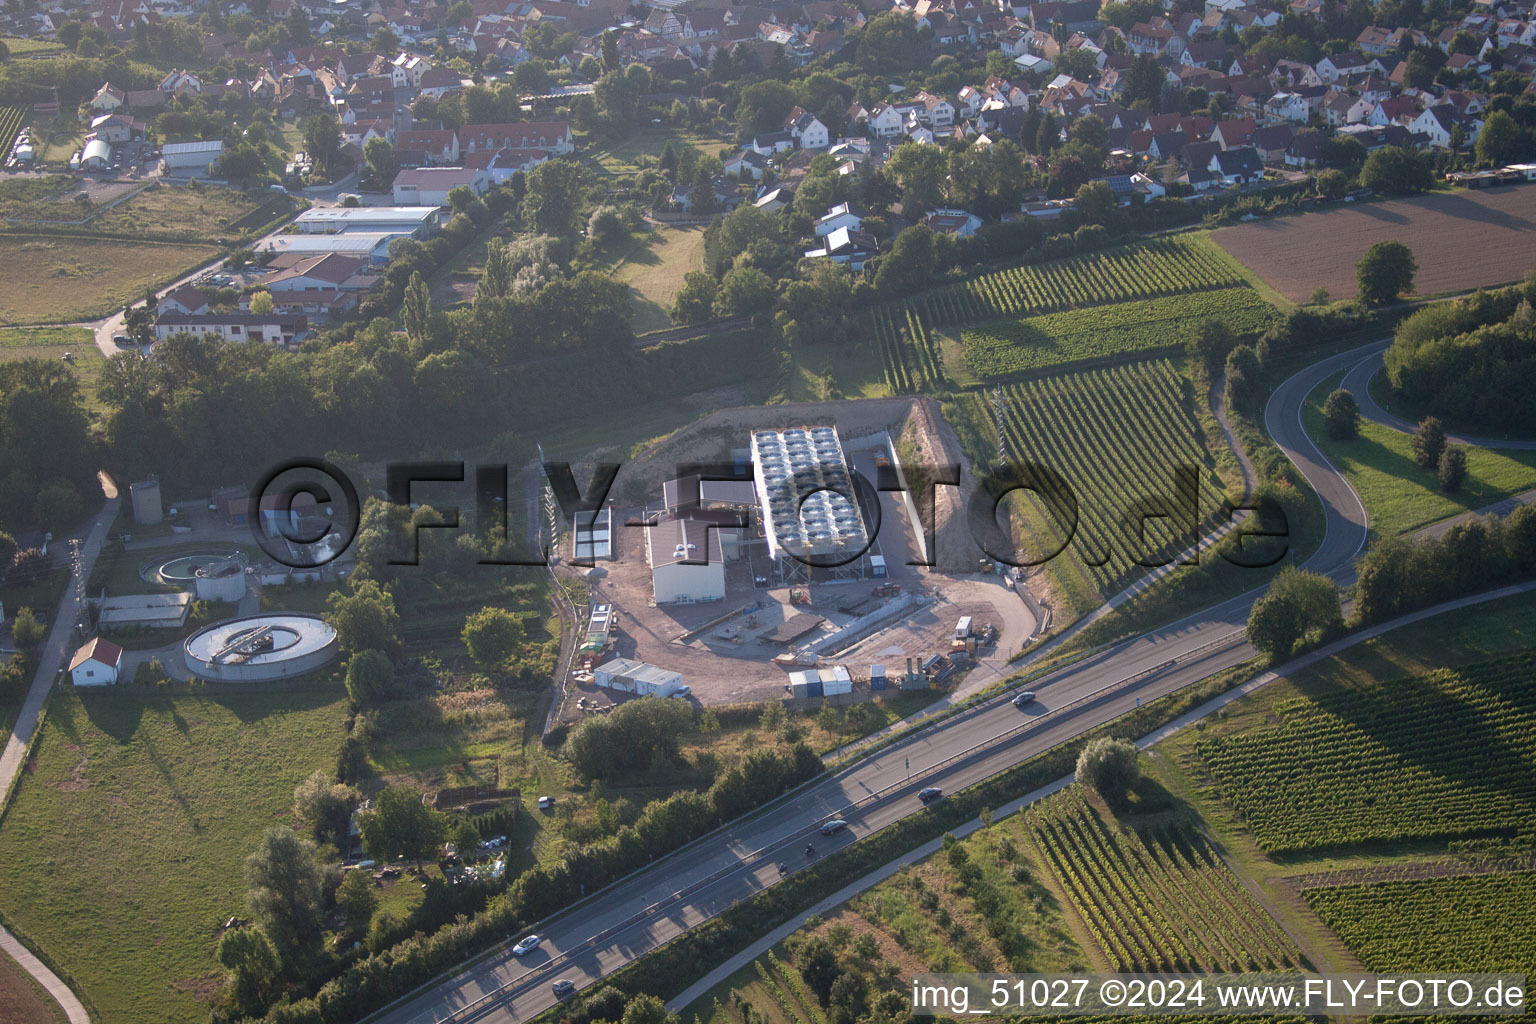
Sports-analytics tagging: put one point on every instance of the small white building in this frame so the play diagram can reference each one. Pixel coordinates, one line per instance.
(687, 562)
(637, 677)
(95, 664)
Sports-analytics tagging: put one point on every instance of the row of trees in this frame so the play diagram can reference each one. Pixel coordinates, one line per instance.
(1471, 361)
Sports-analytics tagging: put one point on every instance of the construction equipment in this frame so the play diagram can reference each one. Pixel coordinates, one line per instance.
(799, 596)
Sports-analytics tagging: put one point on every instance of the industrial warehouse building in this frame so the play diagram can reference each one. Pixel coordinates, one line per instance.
(414, 221)
(807, 498)
(687, 562)
(191, 157)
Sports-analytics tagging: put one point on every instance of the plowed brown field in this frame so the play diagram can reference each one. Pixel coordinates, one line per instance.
(1461, 240)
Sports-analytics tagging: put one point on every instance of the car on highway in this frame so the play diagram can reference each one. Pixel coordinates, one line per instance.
(1023, 698)
(527, 945)
(930, 794)
(563, 988)
(833, 826)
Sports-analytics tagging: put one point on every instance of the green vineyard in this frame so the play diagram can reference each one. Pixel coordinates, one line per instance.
(1156, 898)
(905, 331)
(1002, 349)
(1470, 923)
(1117, 435)
(1447, 755)
(10, 125)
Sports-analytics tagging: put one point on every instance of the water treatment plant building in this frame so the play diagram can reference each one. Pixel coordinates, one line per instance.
(257, 648)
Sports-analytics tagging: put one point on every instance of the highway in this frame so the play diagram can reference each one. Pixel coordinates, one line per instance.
(688, 887)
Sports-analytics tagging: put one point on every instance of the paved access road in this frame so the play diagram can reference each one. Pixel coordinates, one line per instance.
(1358, 382)
(696, 883)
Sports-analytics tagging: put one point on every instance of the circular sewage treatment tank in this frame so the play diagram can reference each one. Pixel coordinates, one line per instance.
(184, 570)
(260, 647)
(224, 581)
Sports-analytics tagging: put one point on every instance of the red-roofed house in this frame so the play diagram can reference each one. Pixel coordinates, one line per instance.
(185, 299)
(554, 136)
(95, 664)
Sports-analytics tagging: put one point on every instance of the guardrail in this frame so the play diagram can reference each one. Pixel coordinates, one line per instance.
(756, 857)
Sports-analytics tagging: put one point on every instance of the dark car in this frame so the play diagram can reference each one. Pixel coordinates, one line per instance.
(1023, 698)
(835, 825)
(930, 794)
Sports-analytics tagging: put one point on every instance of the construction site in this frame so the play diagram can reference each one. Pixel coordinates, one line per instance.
(788, 574)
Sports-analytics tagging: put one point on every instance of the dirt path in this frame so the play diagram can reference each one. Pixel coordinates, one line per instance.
(1219, 410)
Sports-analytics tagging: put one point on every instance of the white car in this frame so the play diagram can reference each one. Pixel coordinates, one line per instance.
(546, 802)
(527, 945)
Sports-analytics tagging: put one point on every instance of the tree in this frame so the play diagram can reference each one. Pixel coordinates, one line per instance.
(365, 619)
(1242, 373)
(611, 59)
(695, 300)
(920, 171)
(370, 677)
(553, 191)
(384, 41)
(416, 310)
(1502, 141)
(1109, 767)
(284, 888)
(357, 901)
(1332, 184)
(647, 1009)
(909, 265)
(326, 807)
(322, 138)
(1049, 135)
(1341, 415)
(261, 302)
(1428, 443)
(380, 156)
(1385, 272)
(745, 291)
(1453, 467)
(1298, 605)
(352, 761)
(492, 636)
(26, 631)
(1395, 170)
(1210, 344)
(606, 225)
(466, 839)
(1095, 201)
(818, 966)
(400, 825)
(253, 967)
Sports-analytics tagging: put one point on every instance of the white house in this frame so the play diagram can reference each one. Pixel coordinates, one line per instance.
(95, 664)
(885, 121)
(806, 129)
(843, 215)
(1439, 122)
(1289, 106)
(844, 245)
(960, 223)
(282, 330)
